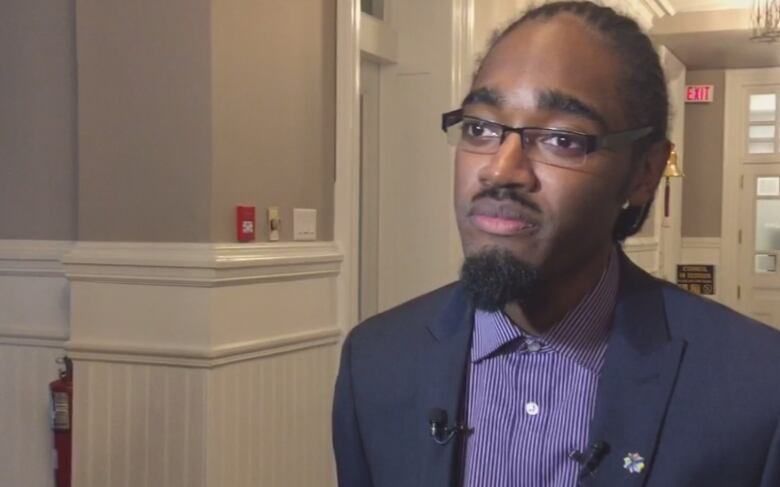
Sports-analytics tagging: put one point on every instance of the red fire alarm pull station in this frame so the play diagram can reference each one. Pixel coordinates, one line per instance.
(245, 223)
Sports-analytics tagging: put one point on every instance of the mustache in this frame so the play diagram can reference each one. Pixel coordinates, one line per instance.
(501, 193)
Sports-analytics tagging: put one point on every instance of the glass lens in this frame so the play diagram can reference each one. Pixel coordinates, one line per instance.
(555, 146)
(476, 136)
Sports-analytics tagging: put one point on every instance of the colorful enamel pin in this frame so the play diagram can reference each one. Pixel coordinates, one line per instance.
(634, 463)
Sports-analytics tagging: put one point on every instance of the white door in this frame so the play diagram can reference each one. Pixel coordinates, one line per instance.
(759, 204)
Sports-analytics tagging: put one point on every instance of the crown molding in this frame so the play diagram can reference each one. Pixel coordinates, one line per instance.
(199, 265)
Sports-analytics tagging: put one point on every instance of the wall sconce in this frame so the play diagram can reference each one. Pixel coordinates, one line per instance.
(672, 170)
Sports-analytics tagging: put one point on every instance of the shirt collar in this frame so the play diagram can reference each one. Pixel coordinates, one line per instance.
(580, 336)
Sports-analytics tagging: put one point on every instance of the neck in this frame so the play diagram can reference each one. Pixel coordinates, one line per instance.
(556, 296)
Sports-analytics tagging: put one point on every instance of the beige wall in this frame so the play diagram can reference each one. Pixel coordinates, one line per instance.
(274, 86)
(144, 120)
(37, 120)
(200, 107)
(702, 195)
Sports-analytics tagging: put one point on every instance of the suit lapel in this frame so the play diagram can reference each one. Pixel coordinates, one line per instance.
(638, 378)
(440, 385)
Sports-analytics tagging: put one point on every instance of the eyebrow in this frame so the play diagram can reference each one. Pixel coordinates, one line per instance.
(484, 95)
(561, 102)
(548, 100)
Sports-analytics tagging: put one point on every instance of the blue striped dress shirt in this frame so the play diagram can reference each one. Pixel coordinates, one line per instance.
(530, 399)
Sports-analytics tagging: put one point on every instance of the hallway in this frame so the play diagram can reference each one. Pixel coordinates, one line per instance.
(131, 132)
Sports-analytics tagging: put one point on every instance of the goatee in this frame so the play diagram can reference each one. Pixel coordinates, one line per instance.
(493, 278)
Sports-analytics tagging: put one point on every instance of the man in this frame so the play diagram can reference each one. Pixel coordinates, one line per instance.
(555, 361)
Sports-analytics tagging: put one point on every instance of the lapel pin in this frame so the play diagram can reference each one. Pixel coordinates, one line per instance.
(634, 463)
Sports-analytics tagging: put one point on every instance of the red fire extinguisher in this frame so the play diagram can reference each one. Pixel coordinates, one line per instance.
(61, 421)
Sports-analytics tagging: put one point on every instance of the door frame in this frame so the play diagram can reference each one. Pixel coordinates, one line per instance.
(733, 150)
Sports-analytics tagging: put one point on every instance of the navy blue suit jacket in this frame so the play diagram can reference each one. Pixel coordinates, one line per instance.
(690, 385)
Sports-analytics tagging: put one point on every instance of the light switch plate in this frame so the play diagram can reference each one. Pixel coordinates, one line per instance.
(273, 223)
(304, 224)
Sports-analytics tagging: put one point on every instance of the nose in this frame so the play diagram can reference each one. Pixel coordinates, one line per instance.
(509, 166)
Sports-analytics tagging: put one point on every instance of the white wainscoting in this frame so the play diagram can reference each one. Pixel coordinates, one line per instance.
(705, 251)
(25, 449)
(203, 364)
(264, 421)
(33, 330)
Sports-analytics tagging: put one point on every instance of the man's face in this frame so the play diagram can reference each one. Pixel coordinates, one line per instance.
(561, 74)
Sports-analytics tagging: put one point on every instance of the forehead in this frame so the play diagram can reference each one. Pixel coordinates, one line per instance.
(562, 55)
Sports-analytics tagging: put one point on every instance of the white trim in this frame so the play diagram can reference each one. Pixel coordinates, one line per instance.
(644, 11)
(660, 8)
(462, 66)
(709, 5)
(701, 243)
(201, 357)
(347, 185)
(641, 244)
(33, 336)
(378, 41)
(199, 265)
(462, 49)
(33, 258)
(645, 252)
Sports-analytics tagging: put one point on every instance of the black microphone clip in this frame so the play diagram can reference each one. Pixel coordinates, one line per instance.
(441, 432)
(590, 459)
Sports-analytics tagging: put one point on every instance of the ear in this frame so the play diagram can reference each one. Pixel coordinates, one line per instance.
(647, 174)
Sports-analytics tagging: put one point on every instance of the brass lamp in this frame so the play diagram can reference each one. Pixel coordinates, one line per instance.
(672, 170)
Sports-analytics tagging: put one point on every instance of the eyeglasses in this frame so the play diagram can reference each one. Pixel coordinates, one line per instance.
(551, 146)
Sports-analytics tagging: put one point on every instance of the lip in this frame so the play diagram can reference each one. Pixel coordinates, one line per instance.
(501, 226)
(502, 218)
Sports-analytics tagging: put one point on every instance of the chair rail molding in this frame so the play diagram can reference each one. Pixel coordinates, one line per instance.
(33, 293)
(202, 357)
(199, 265)
(33, 258)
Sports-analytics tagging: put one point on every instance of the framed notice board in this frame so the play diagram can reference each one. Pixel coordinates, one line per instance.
(698, 279)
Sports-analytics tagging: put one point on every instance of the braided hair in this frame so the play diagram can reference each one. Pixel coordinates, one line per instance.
(644, 91)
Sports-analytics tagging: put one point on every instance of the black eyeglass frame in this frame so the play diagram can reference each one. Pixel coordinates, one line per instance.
(593, 142)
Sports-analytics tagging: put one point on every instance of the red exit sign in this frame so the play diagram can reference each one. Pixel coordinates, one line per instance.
(699, 93)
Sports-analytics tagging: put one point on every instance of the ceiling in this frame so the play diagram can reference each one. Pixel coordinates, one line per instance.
(714, 34)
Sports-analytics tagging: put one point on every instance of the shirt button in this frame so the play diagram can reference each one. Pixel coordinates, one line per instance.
(531, 408)
(534, 346)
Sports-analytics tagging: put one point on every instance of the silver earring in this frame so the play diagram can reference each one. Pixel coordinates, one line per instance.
(626, 205)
